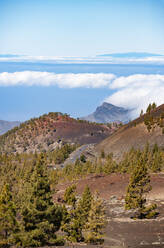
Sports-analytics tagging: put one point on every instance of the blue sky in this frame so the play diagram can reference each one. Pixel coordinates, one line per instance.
(81, 27)
(47, 32)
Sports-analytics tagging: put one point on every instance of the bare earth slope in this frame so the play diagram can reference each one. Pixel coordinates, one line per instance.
(47, 131)
(134, 134)
(121, 231)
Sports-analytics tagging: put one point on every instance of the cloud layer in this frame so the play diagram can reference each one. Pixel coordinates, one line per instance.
(136, 91)
(133, 92)
(67, 80)
(155, 60)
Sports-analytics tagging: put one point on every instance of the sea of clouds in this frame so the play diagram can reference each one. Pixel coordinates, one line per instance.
(132, 92)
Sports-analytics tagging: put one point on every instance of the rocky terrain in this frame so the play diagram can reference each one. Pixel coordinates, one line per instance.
(109, 113)
(121, 230)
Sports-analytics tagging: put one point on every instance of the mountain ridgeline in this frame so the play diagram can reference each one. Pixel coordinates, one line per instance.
(50, 130)
(147, 129)
(109, 113)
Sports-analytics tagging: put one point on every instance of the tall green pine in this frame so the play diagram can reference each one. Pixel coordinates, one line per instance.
(77, 216)
(40, 218)
(70, 195)
(84, 206)
(139, 185)
(94, 230)
(70, 224)
(8, 223)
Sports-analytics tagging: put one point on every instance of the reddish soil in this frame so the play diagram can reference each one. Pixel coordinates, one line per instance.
(80, 132)
(121, 230)
(114, 184)
(45, 132)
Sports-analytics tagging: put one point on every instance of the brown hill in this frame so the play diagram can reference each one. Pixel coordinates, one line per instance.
(135, 134)
(46, 132)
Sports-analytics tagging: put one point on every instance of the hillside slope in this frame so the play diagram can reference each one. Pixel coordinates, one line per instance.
(46, 133)
(135, 134)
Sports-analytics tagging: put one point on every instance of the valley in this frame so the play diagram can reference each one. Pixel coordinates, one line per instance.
(74, 154)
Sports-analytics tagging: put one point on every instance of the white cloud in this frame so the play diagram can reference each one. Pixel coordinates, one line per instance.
(67, 80)
(159, 60)
(137, 91)
(133, 92)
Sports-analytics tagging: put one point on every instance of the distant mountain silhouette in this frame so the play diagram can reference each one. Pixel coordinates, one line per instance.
(7, 125)
(108, 113)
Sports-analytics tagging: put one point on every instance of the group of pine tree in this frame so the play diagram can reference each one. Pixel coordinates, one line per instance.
(85, 219)
(150, 120)
(30, 218)
(139, 186)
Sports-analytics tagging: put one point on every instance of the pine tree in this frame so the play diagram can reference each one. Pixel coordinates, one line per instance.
(96, 222)
(72, 227)
(83, 158)
(70, 224)
(8, 223)
(139, 185)
(70, 195)
(155, 148)
(84, 206)
(102, 154)
(40, 218)
(146, 153)
(157, 162)
(149, 108)
(141, 113)
(110, 165)
(77, 216)
(154, 105)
